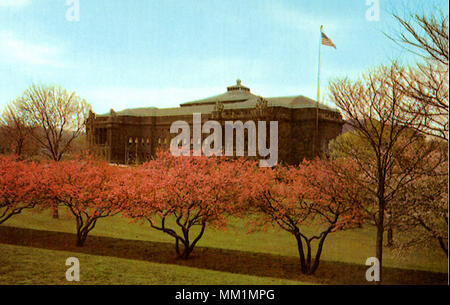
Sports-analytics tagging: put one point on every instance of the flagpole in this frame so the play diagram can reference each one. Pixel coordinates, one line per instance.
(316, 131)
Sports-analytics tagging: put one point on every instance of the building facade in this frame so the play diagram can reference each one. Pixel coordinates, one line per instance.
(135, 135)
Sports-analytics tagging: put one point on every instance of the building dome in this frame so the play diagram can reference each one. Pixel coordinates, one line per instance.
(238, 87)
(235, 93)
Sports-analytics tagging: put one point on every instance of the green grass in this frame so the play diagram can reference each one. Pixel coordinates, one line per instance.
(233, 256)
(25, 265)
(352, 246)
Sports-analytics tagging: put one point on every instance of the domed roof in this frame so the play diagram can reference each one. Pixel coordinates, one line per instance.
(235, 93)
(236, 97)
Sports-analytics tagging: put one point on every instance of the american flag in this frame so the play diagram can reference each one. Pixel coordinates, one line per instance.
(327, 41)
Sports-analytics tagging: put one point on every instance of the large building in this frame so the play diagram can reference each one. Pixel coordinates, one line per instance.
(135, 135)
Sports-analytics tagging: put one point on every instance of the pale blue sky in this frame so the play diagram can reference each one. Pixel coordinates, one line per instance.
(142, 53)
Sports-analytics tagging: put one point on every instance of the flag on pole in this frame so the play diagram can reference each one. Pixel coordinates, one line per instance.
(327, 41)
(324, 40)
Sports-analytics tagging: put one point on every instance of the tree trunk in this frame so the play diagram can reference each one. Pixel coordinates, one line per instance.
(390, 237)
(308, 256)
(185, 251)
(187, 246)
(301, 253)
(81, 238)
(390, 232)
(444, 245)
(380, 222)
(83, 230)
(80, 241)
(55, 213)
(19, 148)
(318, 253)
(379, 243)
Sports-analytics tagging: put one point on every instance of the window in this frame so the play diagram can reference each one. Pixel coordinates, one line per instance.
(101, 136)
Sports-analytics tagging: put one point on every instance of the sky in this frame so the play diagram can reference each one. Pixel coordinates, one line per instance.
(159, 53)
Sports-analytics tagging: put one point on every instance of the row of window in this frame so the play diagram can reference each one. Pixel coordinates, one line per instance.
(136, 141)
(144, 141)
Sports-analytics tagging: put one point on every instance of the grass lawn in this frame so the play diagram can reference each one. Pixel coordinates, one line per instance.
(270, 254)
(25, 265)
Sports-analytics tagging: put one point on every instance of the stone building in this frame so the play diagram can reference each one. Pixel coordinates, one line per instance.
(134, 135)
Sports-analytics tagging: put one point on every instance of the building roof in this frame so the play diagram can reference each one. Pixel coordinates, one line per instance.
(236, 97)
(236, 93)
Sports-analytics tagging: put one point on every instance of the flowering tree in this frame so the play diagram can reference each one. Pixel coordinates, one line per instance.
(177, 194)
(89, 189)
(308, 196)
(19, 187)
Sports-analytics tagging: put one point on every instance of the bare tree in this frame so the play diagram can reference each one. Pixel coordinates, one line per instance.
(427, 83)
(426, 36)
(372, 105)
(427, 87)
(16, 132)
(421, 210)
(423, 207)
(58, 117)
(57, 114)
